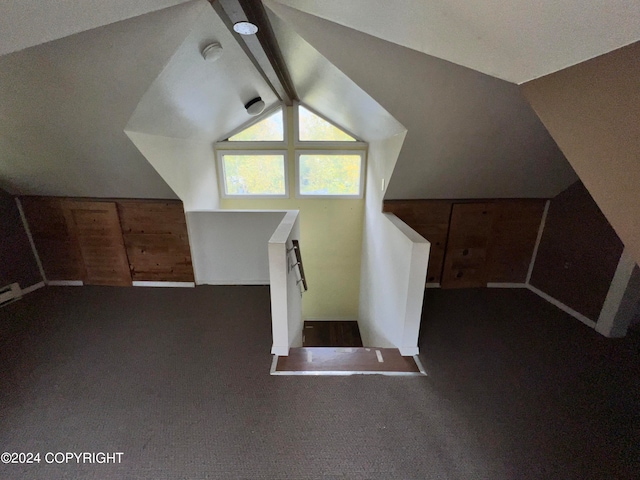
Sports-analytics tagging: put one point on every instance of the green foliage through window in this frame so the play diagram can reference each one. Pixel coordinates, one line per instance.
(312, 128)
(259, 174)
(269, 129)
(327, 174)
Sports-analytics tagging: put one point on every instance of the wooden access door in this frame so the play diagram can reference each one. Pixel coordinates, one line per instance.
(96, 227)
(467, 246)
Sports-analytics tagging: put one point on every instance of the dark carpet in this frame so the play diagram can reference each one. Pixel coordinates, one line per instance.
(178, 381)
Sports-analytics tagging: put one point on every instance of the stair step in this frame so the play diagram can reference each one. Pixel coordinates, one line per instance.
(331, 333)
(345, 361)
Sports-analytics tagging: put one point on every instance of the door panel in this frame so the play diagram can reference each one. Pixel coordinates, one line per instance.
(467, 246)
(96, 227)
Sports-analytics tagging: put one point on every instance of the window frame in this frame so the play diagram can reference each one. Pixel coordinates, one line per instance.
(319, 143)
(324, 152)
(234, 145)
(257, 152)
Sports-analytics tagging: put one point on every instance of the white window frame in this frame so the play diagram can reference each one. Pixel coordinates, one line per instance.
(225, 143)
(222, 176)
(316, 143)
(363, 168)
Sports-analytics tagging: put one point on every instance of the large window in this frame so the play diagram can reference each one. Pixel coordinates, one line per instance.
(269, 129)
(326, 173)
(329, 161)
(253, 173)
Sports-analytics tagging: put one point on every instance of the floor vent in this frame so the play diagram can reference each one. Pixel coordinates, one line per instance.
(10, 293)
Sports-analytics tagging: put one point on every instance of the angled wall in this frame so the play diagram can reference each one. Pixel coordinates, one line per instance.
(593, 112)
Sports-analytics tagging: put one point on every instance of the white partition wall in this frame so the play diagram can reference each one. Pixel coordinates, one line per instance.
(286, 286)
(230, 247)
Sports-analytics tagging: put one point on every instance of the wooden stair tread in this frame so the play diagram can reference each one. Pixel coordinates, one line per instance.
(346, 359)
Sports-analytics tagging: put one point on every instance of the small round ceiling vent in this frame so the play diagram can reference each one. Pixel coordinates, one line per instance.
(255, 106)
(245, 28)
(212, 52)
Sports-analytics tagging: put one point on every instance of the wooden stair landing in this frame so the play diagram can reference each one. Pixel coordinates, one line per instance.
(334, 333)
(345, 361)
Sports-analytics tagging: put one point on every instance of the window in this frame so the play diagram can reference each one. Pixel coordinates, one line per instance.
(313, 128)
(259, 173)
(269, 129)
(325, 173)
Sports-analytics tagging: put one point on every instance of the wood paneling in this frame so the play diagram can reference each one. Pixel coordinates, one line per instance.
(56, 245)
(467, 245)
(156, 240)
(96, 227)
(513, 238)
(430, 218)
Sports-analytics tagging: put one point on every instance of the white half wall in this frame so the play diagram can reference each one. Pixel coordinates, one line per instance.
(394, 263)
(188, 167)
(230, 247)
(286, 293)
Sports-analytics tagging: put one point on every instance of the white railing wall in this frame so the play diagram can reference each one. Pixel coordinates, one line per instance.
(286, 287)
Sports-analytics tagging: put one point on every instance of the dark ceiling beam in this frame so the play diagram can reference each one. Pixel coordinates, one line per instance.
(262, 48)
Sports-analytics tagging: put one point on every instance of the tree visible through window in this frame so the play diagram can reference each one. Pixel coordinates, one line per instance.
(254, 174)
(269, 129)
(312, 128)
(337, 174)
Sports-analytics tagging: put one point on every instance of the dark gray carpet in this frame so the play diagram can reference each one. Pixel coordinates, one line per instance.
(177, 380)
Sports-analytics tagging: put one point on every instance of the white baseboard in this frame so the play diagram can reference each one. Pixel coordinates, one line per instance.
(163, 284)
(432, 285)
(65, 283)
(562, 306)
(235, 283)
(33, 288)
(506, 285)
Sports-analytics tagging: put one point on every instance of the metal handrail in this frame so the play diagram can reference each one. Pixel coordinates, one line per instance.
(296, 250)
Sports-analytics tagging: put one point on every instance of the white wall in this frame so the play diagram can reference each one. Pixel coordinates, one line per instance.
(188, 167)
(394, 263)
(64, 106)
(286, 292)
(469, 135)
(230, 247)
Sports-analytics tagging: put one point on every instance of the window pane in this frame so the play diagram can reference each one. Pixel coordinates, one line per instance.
(270, 129)
(254, 174)
(329, 174)
(312, 128)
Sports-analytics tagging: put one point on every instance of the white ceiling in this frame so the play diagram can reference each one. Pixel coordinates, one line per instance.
(515, 40)
(194, 98)
(326, 89)
(469, 135)
(26, 23)
(64, 105)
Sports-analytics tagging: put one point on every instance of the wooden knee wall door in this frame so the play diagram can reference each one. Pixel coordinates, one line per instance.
(96, 226)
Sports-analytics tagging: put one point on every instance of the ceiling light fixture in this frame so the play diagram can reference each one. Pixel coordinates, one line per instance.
(245, 28)
(255, 106)
(212, 52)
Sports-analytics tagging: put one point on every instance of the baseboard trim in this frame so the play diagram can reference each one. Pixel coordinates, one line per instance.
(33, 288)
(163, 284)
(65, 283)
(562, 306)
(432, 285)
(506, 285)
(238, 283)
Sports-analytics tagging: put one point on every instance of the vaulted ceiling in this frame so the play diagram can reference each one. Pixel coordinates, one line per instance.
(443, 74)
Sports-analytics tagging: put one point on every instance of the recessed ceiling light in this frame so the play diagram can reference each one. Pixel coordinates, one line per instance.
(245, 28)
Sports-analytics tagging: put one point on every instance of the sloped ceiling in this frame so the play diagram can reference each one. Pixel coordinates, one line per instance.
(326, 89)
(469, 135)
(64, 105)
(27, 23)
(197, 99)
(515, 40)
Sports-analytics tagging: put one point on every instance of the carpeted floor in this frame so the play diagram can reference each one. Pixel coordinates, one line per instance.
(177, 380)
